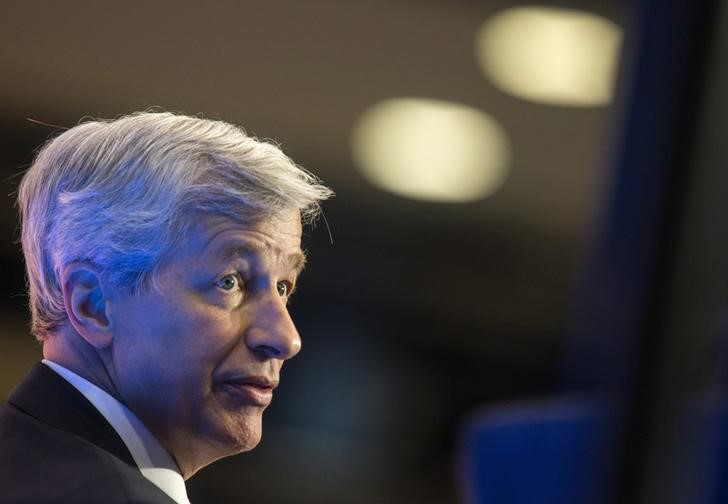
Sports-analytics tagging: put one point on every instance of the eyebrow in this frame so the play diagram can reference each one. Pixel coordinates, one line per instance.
(297, 260)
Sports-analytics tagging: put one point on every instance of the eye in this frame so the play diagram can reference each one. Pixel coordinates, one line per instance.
(284, 289)
(228, 282)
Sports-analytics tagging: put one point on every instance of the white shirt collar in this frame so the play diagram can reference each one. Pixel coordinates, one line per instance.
(154, 462)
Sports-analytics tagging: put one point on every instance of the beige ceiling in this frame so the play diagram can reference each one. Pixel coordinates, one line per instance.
(301, 72)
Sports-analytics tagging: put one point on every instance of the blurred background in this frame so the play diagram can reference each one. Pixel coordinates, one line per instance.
(477, 150)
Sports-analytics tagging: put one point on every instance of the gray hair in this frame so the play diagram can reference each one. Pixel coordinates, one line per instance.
(121, 194)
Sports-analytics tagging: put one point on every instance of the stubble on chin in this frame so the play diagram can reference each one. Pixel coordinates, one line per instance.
(239, 431)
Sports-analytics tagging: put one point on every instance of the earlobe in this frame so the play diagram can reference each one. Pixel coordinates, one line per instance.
(87, 304)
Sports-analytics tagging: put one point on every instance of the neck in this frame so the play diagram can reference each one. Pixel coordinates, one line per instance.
(75, 354)
(70, 350)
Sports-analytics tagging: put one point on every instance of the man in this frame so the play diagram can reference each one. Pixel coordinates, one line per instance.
(160, 251)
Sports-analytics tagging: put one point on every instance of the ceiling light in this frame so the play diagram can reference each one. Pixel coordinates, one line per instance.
(431, 150)
(551, 55)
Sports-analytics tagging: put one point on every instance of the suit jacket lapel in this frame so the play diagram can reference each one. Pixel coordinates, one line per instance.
(49, 398)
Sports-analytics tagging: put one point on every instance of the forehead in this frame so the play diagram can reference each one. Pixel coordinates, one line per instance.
(220, 237)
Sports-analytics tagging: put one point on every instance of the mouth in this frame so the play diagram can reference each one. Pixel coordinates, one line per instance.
(251, 390)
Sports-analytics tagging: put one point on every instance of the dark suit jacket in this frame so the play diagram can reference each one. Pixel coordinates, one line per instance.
(56, 447)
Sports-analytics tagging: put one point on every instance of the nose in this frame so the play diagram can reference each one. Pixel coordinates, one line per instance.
(271, 333)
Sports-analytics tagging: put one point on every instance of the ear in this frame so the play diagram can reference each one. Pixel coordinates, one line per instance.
(87, 303)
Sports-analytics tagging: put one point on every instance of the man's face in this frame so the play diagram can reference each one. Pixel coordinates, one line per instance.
(197, 355)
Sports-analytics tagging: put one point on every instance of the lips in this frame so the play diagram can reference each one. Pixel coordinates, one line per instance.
(251, 390)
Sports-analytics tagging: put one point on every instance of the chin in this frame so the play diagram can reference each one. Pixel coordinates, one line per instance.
(241, 433)
(216, 438)
(249, 444)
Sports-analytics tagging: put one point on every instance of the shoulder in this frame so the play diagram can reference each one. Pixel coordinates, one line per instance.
(41, 463)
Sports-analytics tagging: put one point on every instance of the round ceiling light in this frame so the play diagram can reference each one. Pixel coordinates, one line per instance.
(551, 55)
(431, 150)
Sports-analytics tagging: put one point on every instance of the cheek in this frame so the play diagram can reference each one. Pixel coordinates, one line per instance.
(197, 339)
(174, 341)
